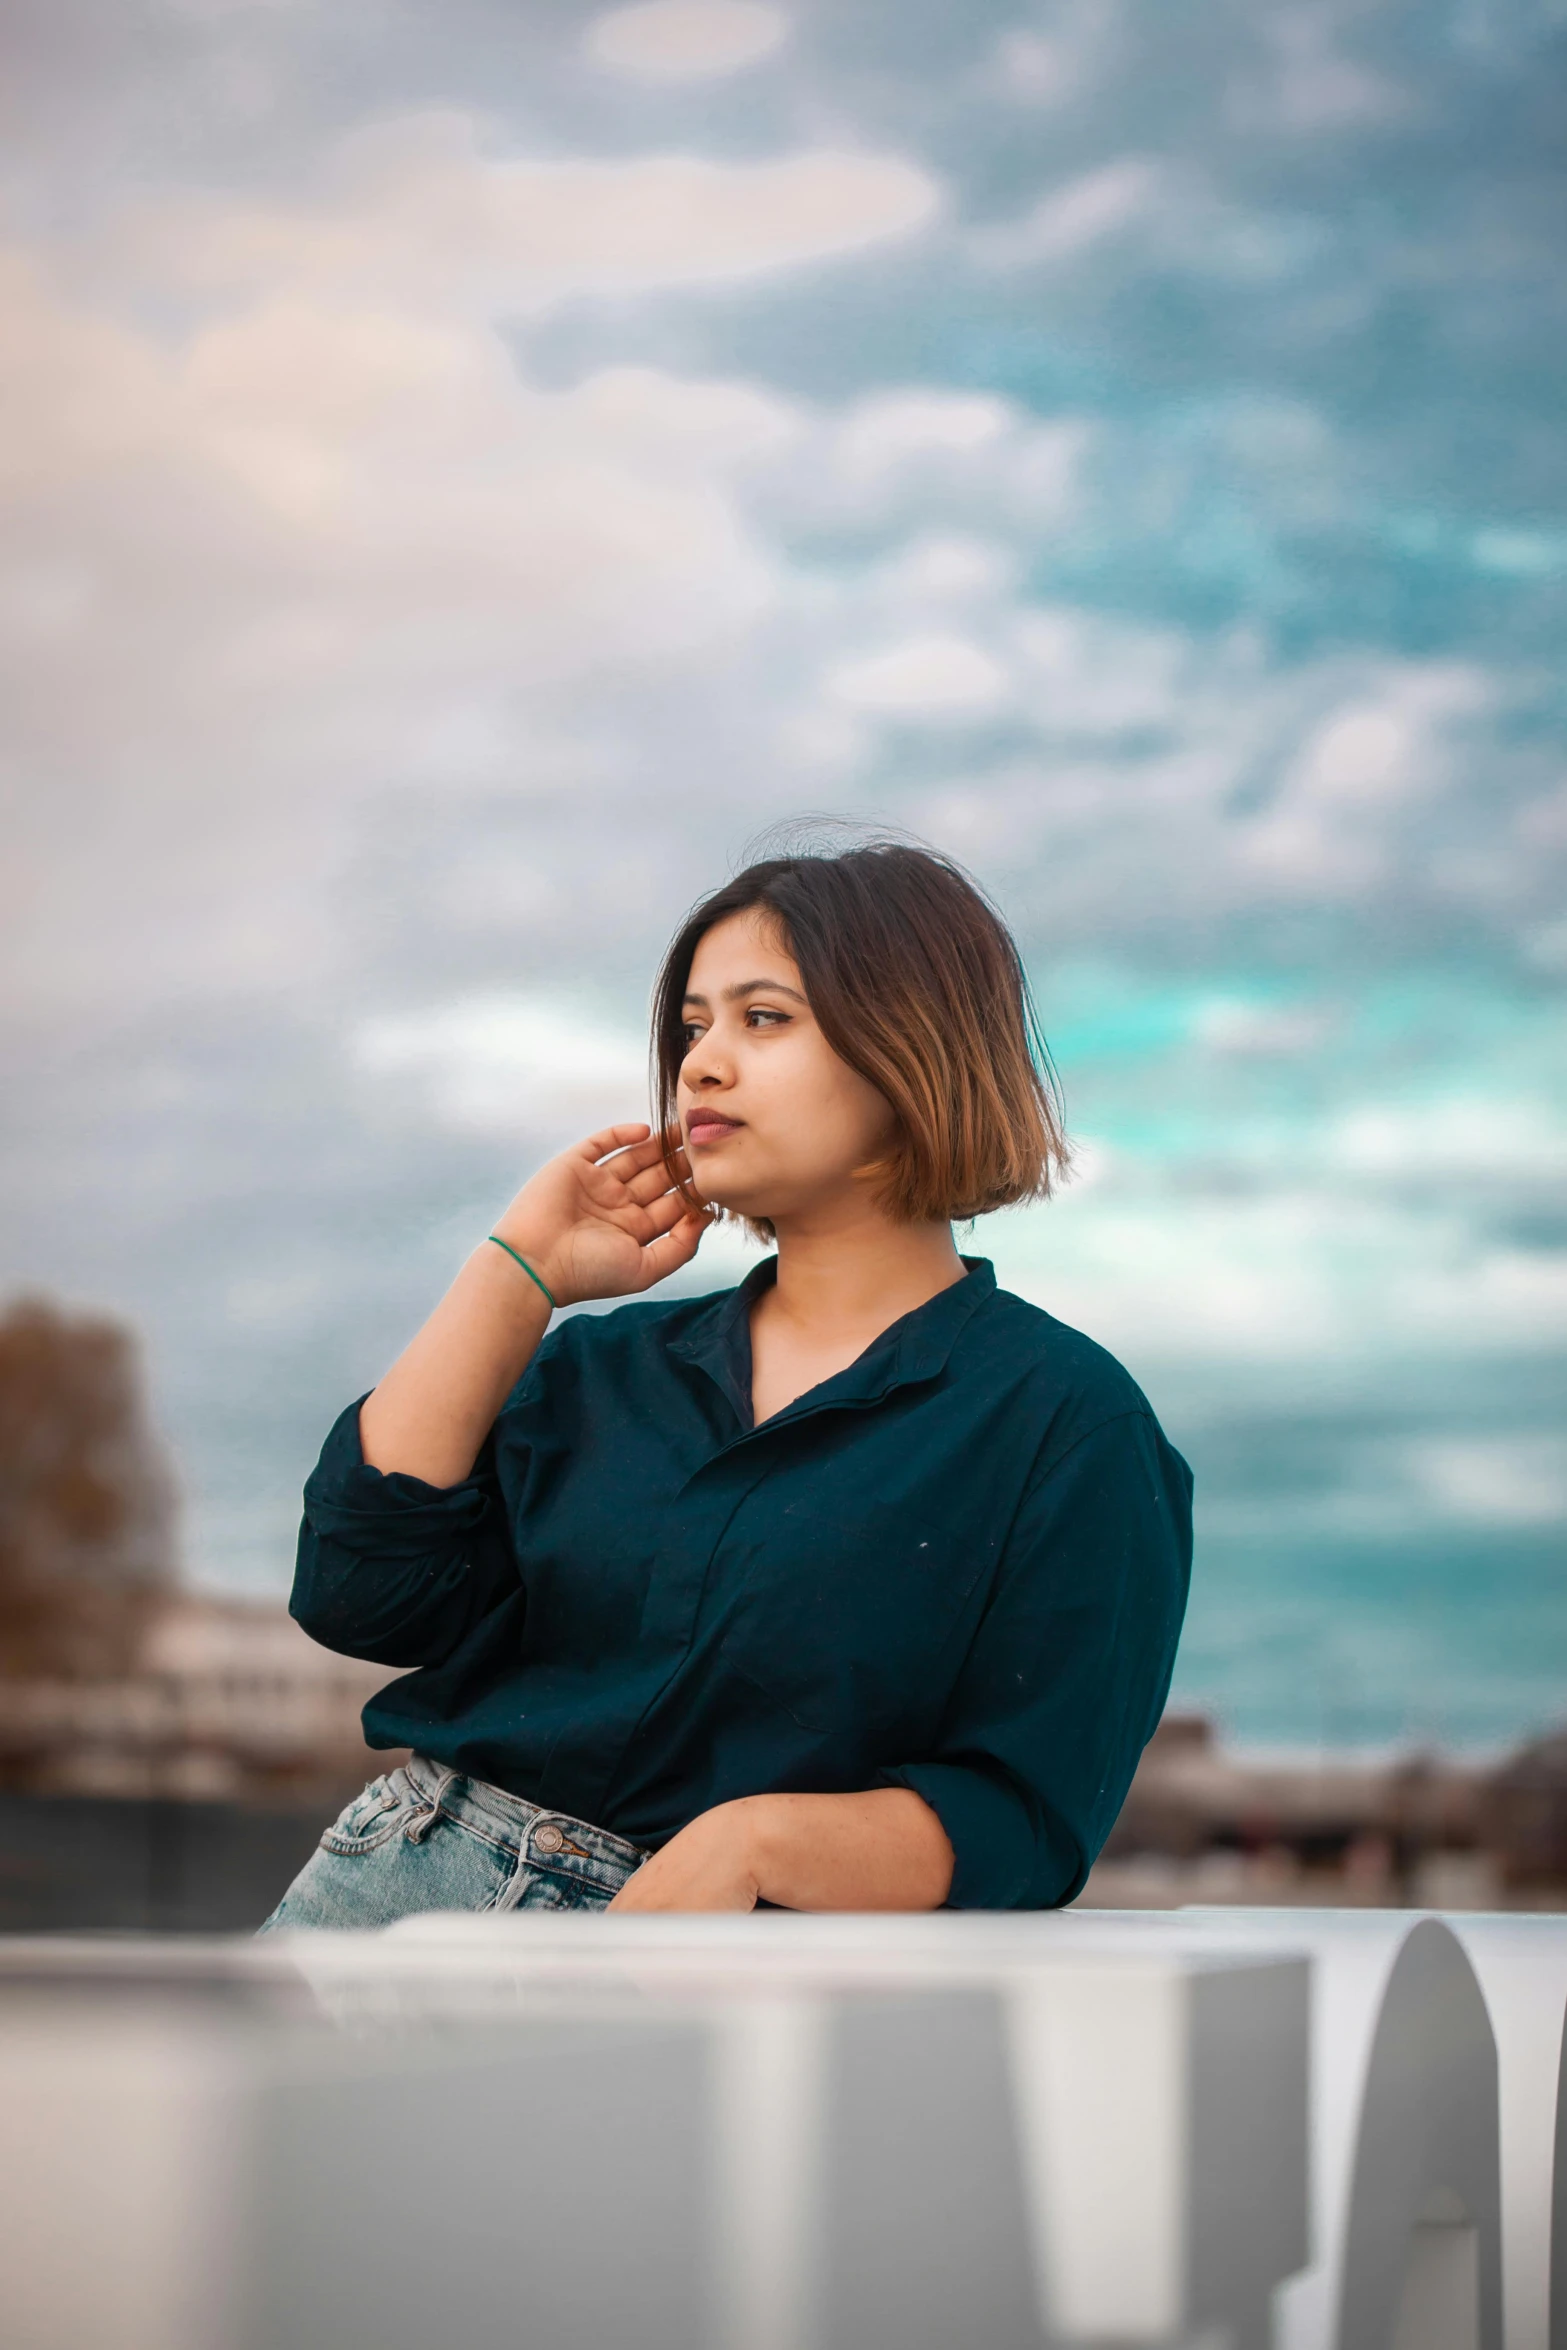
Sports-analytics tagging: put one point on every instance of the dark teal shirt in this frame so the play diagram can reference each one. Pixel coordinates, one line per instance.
(958, 1566)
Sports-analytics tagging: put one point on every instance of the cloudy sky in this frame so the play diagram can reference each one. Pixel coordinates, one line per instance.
(464, 472)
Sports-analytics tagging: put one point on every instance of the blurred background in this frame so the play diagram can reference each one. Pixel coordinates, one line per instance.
(463, 474)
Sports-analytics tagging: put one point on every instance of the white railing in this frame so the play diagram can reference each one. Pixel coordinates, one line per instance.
(1315, 2130)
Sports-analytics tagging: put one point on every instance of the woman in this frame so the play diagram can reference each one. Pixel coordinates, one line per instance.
(856, 1587)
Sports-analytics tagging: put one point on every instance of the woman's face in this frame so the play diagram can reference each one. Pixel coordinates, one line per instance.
(775, 1124)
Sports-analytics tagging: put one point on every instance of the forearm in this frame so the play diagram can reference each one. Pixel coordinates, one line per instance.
(883, 1849)
(438, 1402)
(604, 1219)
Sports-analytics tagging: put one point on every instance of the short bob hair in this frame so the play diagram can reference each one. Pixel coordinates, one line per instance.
(916, 982)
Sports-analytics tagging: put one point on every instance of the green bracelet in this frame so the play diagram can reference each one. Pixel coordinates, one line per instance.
(523, 1262)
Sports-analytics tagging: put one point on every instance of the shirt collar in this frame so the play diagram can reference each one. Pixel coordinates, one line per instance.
(915, 1347)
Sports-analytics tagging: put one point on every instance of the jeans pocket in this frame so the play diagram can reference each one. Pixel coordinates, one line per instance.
(374, 1816)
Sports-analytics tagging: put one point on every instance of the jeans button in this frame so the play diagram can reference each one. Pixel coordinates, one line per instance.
(549, 1838)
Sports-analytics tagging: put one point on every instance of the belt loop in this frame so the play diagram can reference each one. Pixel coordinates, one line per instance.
(511, 1893)
(417, 1830)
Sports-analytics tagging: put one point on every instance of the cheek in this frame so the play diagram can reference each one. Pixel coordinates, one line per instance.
(857, 1118)
(806, 1104)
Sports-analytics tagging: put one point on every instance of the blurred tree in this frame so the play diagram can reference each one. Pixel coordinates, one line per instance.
(86, 1497)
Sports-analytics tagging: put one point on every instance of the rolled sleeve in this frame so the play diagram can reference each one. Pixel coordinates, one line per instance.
(1068, 1672)
(989, 1825)
(392, 1569)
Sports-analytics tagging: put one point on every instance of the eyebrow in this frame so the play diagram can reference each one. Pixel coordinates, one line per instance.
(745, 987)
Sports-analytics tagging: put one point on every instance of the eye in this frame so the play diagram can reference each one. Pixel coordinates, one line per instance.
(690, 1030)
(761, 1012)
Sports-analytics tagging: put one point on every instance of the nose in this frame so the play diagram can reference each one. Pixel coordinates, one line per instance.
(703, 1066)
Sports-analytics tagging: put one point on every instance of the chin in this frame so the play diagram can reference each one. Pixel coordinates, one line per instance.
(733, 1202)
(730, 1205)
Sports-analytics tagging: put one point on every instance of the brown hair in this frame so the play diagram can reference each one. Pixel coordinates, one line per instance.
(916, 982)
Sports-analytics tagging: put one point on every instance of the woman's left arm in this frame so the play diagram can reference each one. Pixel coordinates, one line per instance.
(883, 1849)
(1062, 1685)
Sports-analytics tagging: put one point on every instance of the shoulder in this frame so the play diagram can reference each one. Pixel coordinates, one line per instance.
(1075, 1388)
(1057, 1361)
(1105, 1483)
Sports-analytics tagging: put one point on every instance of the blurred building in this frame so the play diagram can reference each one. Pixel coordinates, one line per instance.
(221, 1700)
(1204, 1824)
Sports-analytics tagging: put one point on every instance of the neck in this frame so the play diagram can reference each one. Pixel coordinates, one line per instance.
(860, 1272)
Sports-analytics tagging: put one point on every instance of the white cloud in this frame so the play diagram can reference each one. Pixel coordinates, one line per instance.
(1310, 87)
(1452, 1139)
(943, 568)
(1357, 754)
(511, 1064)
(1384, 1488)
(316, 535)
(1284, 1247)
(418, 209)
(933, 677)
(308, 551)
(1085, 676)
(932, 463)
(1240, 1029)
(1502, 1481)
(686, 40)
(1326, 824)
(1283, 1277)
(703, 425)
(1071, 219)
(1520, 554)
(890, 429)
(1031, 69)
(1027, 66)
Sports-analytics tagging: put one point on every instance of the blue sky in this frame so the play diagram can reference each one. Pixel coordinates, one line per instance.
(469, 472)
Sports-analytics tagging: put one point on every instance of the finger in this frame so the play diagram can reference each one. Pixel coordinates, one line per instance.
(654, 1181)
(617, 1195)
(639, 1185)
(642, 1224)
(609, 1138)
(652, 1222)
(636, 1223)
(662, 1215)
(662, 1257)
(632, 1158)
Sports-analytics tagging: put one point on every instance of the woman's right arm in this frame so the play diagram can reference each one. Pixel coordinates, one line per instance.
(599, 1221)
(404, 1545)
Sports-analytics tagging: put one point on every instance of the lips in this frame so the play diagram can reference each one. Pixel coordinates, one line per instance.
(708, 1128)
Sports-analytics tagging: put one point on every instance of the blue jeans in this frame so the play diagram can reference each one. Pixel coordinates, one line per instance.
(425, 1837)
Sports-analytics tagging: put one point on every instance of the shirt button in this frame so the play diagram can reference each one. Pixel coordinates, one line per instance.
(549, 1838)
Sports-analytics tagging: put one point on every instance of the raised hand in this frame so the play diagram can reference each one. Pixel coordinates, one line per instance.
(603, 1219)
